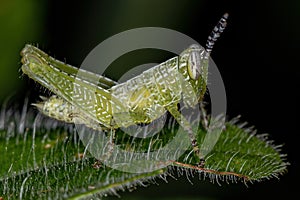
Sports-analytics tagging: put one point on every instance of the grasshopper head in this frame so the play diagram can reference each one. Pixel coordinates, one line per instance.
(196, 58)
(197, 61)
(196, 69)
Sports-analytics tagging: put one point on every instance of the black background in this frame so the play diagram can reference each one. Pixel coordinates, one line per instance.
(258, 57)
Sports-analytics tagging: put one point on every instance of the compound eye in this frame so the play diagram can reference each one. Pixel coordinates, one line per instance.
(194, 65)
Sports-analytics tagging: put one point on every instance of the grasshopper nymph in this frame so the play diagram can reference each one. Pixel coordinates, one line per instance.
(143, 98)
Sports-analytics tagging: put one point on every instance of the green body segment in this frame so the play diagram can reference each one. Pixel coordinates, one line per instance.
(97, 101)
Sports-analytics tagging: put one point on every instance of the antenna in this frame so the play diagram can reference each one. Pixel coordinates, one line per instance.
(216, 32)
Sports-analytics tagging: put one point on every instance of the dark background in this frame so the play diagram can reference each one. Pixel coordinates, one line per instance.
(258, 57)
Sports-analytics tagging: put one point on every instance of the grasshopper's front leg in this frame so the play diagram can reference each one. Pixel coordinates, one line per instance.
(184, 123)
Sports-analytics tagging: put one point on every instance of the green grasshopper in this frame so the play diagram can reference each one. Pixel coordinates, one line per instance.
(108, 105)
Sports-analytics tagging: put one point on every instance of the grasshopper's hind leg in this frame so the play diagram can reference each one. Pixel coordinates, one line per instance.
(188, 128)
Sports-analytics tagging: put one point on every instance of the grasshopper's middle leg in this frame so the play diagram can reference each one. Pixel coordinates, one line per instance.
(110, 145)
(188, 128)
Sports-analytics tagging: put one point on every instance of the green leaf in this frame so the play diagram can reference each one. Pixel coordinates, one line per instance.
(44, 159)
